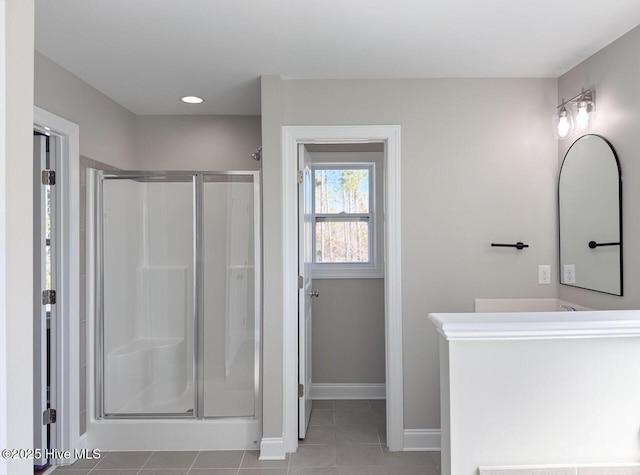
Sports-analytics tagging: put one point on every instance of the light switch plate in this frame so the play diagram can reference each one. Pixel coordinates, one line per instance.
(544, 274)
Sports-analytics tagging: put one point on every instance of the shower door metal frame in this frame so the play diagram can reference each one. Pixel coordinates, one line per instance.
(197, 179)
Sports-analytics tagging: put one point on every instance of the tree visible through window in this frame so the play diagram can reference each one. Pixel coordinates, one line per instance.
(343, 214)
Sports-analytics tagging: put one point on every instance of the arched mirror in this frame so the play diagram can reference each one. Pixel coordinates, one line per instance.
(590, 216)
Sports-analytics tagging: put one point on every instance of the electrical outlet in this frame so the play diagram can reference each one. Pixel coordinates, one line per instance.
(544, 274)
(569, 274)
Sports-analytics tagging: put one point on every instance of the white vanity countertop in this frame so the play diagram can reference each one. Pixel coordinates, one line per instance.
(537, 325)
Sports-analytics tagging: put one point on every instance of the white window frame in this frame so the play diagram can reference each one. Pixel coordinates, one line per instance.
(374, 162)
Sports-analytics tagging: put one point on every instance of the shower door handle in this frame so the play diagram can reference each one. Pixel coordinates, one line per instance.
(315, 293)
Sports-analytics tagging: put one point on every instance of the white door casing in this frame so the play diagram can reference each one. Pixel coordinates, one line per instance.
(68, 278)
(305, 308)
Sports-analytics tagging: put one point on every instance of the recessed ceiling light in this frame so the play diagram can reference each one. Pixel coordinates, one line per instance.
(192, 99)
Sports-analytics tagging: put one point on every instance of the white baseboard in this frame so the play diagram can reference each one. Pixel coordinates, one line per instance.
(65, 462)
(272, 448)
(421, 439)
(82, 441)
(348, 391)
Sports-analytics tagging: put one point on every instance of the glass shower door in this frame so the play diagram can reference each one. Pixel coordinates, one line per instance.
(230, 304)
(148, 265)
(178, 294)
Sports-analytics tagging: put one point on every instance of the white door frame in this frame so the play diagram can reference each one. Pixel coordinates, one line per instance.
(68, 347)
(292, 136)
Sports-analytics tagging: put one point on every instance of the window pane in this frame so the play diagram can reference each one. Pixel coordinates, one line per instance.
(342, 191)
(346, 241)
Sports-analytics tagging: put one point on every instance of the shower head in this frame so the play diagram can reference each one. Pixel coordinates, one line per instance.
(257, 155)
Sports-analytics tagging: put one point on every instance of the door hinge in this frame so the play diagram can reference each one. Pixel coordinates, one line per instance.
(49, 417)
(48, 297)
(48, 177)
(300, 282)
(300, 175)
(300, 390)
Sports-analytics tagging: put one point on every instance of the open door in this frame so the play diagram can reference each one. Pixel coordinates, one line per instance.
(44, 310)
(305, 291)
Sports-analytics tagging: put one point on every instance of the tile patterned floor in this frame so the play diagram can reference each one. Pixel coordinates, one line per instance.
(344, 438)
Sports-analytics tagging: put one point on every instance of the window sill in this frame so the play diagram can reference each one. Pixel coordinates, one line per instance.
(347, 273)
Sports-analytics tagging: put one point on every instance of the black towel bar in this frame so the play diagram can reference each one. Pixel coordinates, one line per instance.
(593, 244)
(519, 245)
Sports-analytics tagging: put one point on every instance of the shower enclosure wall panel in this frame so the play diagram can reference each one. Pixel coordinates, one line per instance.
(175, 338)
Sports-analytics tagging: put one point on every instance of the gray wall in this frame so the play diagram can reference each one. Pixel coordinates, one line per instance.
(272, 285)
(107, 129)
(479, 164)
(183, 142)
(111, 134)
(614, 73)
(348, 331)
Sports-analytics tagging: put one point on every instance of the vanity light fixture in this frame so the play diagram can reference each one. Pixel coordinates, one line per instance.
(192, 99)
(564, 122)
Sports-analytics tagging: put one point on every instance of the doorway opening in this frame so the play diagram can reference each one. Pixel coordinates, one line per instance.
(297, 290)
(341, 311)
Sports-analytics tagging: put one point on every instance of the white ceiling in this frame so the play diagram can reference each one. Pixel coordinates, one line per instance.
(145, 54)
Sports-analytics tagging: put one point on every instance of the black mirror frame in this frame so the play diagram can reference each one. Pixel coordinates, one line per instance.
(615, 155)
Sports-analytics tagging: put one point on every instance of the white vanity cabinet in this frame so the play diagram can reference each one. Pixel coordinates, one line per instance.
(538, 389)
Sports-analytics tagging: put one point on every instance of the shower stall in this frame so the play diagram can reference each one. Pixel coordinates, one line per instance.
(175, 333)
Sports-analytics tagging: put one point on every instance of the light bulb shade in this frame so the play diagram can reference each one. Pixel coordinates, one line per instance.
(562, 124)
(584, 115)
